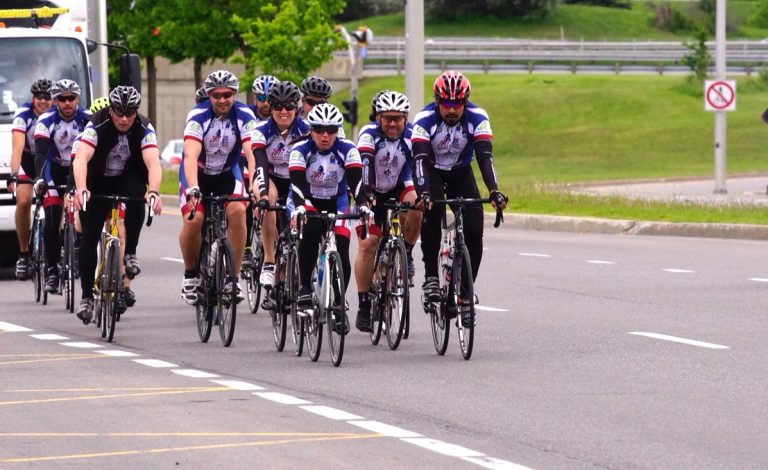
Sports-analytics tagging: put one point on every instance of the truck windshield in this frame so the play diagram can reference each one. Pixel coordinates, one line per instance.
(24, 60)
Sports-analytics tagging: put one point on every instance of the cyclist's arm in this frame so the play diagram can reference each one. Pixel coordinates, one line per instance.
(262, 168)
(251, 161)
(192, 149)
(151, 156)
(298, 186)
(41, 154)
(17, 142)
(421, 163)
(355, 179)
(369, 170)
(484, 154)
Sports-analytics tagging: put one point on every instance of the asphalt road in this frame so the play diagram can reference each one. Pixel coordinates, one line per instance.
(592, 351)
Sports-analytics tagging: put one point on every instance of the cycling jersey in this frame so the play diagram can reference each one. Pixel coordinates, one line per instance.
(61, 133)
(222, 138)
(391, 159)
(24, 121)
(453, 146)
(267, 136)
(325, 170)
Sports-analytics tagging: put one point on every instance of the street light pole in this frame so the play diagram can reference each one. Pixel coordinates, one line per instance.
(720, 114)
(414, 54)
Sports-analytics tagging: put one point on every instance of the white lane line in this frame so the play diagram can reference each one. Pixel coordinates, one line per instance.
(282, 398)
(175, 260)
(691, 342)
(494, 463)
(198, 374)
(81, 344)
(490, 309)
(331, 413)
(599, 261)
(678, 271)
(451, 450)
(10, 327)
(154, 363)
(535, 255)
(758, 279)
(384, 429)
(48, 337)
(238, 385)
(116, 353)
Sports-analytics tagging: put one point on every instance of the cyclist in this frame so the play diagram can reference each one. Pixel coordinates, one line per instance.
(316, 90)
(272, 141)
(260, 88)
(117, 154)
(23, 165)
(385, 150)
(215, 133)
(55, 132)
(447, 135)
(323, 168)
(200, 95)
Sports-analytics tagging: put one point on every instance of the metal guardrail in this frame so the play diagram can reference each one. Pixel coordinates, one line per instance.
(499, 53)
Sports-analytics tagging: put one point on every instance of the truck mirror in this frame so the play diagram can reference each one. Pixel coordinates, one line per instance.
(91, 45)
(130, 71)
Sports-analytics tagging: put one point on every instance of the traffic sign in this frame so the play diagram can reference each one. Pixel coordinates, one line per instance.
(720, 95)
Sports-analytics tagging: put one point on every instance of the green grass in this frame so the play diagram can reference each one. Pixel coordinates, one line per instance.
(170, 182)
(554, 129)
(573, 22)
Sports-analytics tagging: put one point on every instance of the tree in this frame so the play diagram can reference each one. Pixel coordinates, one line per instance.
(289, 38)
(698, 57)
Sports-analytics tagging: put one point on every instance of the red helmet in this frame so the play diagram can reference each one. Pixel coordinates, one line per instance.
(451, 85)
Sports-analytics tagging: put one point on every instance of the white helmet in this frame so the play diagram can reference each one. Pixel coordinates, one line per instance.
(262, 84)
(393, 101)
(65, 86)
(221, 79)
(325, 115)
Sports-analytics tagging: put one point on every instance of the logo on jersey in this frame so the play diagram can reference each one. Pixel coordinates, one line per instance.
(483, 128)
(150, 139)
(195, 126)
(318, 174)
(420, 132)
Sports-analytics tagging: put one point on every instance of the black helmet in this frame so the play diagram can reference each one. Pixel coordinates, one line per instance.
(201, 95)
(316, 86)
(124, 98)
(42, 85)
(283, 93)
(372, 115)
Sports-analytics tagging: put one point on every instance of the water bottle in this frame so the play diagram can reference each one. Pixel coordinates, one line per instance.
(212, 258)
(446, 254)
(320, 269)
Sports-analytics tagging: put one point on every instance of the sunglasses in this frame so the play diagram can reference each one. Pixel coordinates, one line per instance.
(396, 119)
(330, 130)
(42, 96)
(67, 98)
(312, 102)
(121, 113)
(280, 107)
(261, 97)
(226, 95)
(452, 103)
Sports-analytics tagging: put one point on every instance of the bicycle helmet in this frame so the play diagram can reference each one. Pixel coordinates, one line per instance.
(124, 98)
(451, 85)
(372, 115)
(201, 95)
(316, 86)
(65, 86)
(42, 85)
(221, 79)
(262, 85)
(99, 104)
(393, 101)
(325, 115)
(283, 93)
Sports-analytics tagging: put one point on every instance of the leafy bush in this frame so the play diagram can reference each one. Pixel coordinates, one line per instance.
(358, 9)
(627, 4)
(451, 10)
(669, 17)
(698, 58)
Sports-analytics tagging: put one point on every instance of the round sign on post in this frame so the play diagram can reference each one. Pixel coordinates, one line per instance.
(719, 95)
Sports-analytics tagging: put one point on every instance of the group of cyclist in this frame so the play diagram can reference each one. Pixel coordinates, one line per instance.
(287, 146)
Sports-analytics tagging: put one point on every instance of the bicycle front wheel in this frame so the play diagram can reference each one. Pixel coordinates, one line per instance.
(253, 287)
(110, 288)
(336, 313)
(314, 323)
(204, 308)
(465, 299)
(297, 321)
(226, 287)
(396, 295)
(278, 310)
(68, 272)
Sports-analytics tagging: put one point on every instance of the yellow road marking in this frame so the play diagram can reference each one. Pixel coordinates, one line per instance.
(107, 389)
(177, 434)
(52, 359)
(125, 395)
(188, 448)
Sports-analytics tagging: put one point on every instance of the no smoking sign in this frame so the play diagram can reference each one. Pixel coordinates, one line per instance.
(719, 95)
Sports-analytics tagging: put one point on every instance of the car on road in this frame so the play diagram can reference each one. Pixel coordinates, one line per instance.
(171, 154)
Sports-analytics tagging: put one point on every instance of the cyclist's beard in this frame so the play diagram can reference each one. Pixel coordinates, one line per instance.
(451, 119)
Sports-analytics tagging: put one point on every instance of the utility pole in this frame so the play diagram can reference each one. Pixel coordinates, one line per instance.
(720, 114)
(97, 31)
(414, 54)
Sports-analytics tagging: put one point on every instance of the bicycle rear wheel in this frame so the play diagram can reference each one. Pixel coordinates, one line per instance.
(297, 321)
(227, 302)
(465, 291)
(396, 295)
(110, 287)
(314, 322)
(336, 315)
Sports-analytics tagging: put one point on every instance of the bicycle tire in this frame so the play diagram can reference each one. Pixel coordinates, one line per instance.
(336, 315)
(253, 286)
(396, 294)
(376, 310)
(43, 264)
(69, 267)
(204, 307)
(313, 324)
(279, 326)
(226, 307)
(37, 260)
(462, 274)
(297, 321)
(110, 287)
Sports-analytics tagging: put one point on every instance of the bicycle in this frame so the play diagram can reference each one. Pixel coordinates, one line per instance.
(108, 280)
(390, 296)
(328, 299)
(457, 291)
(250, 272)
(218, 279)
(68, 261)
